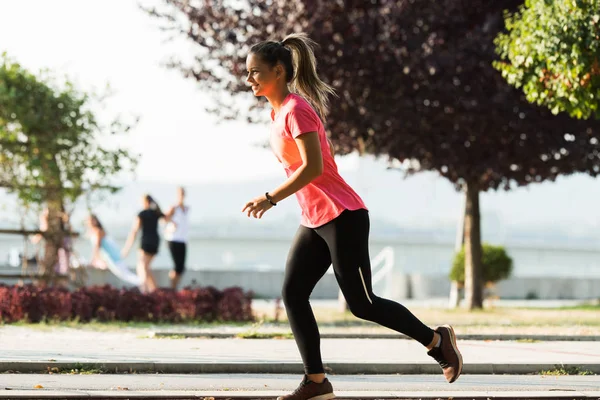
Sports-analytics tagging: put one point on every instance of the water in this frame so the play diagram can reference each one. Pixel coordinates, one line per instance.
(424, 257)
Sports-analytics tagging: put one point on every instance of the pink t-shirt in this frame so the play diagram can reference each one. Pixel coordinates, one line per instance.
(326, 196)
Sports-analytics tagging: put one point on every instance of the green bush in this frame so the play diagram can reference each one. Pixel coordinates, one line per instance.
(497, 265)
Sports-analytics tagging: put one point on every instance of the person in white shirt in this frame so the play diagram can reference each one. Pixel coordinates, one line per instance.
(176, 234)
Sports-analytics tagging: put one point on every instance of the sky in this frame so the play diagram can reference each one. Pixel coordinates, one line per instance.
(112, 42)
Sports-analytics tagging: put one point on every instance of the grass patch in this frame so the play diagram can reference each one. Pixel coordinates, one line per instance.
(106, 326)
(574, 320)
(561, 370)
(527, 341)
(259, 335)
(78, 369)
(175, 336)
(583, 307)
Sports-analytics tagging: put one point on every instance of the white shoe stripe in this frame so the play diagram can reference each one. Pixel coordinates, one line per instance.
(364, 285)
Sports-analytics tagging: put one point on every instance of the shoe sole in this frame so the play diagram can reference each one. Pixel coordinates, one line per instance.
(453, 341)
(327, 396)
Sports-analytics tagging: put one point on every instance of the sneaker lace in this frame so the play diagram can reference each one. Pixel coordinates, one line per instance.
(438, 356)
(303, 385)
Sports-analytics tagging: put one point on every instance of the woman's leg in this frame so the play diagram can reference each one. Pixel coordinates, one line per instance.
(307, 262)
(141, 271)
(178, 253)
(150, 281)
(348, 240)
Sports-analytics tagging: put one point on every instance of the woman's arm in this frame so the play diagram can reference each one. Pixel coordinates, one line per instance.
(134, 230)
(309, 147)
(96, 244)
(169, 214)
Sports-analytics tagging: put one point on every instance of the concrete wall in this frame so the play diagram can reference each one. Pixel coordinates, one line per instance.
(397, 286)
(265, 284)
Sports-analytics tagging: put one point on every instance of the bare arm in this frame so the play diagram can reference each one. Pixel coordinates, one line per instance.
(98, 235)
(309, 147)
(134, 230)
(167, 217)
(312, 166)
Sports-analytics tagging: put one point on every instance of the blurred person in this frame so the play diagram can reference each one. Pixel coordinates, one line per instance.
(176, 235)
(105, 252)
(146, 221)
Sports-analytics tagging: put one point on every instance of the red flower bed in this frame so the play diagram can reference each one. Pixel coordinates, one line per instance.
(105, 303)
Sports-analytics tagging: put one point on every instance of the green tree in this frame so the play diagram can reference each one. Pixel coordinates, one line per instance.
(551, 50)
(50, 150)
(416, 85)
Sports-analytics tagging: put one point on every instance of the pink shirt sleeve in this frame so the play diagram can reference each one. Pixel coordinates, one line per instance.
(302, 120)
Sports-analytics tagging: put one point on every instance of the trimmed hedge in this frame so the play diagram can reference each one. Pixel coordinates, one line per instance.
(497, 264)
(105, 303)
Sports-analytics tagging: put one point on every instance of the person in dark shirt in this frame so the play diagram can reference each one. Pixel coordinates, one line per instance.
(147, 222)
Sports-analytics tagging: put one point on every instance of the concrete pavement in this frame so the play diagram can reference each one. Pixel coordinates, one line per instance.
(31, 350)
(270, 386)
(266, 368)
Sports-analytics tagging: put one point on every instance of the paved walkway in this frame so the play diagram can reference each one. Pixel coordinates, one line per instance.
(23, 348)
(266, 368)
(270, 386)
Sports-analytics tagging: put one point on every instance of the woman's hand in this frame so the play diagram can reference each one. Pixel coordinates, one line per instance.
(257, 207)
(124, 253)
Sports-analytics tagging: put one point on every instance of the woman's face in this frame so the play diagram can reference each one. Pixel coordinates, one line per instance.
(262, 78)
(145, 202)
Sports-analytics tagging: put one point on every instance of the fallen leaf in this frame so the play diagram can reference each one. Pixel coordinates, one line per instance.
(38, 387)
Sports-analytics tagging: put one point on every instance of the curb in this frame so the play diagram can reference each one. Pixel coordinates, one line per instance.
(259, 395)
(284, 368)
(481, 337)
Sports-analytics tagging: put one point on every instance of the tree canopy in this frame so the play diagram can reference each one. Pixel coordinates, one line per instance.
(551, 51)
(50, 139)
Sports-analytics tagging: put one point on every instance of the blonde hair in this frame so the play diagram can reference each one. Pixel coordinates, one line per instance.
(296, 54)
(306, 81)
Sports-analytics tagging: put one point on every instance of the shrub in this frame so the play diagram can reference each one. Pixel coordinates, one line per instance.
(11, 308)
(164, 305)
(57, 303)
(32, 303)
(235, 305)
(200, 304)
(497, 265)
(105, 303)
(81, 306)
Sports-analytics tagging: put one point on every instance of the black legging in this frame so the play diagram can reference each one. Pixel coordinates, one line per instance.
(343, 241)
(178, 250)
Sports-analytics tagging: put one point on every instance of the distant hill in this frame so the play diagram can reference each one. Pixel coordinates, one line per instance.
(420, 207)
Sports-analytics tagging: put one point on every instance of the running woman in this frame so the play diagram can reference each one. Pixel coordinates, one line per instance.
(335, 222)
(176, 234)
(147, 221)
